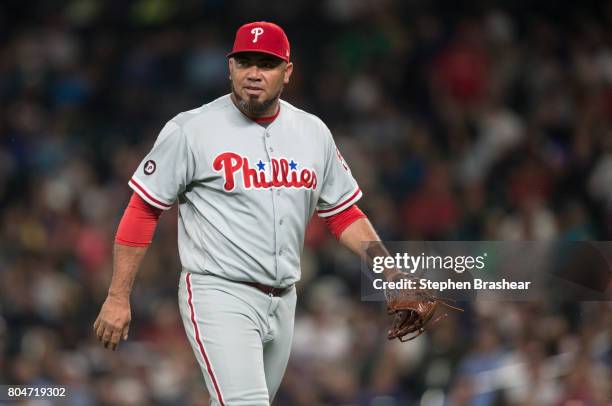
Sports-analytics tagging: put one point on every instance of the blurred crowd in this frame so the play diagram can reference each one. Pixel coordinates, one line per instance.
(461, 121)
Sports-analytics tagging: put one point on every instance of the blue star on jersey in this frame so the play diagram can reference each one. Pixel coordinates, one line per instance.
(261, 165)
(293, 165)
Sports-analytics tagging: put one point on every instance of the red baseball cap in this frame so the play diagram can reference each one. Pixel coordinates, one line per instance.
(264, 37)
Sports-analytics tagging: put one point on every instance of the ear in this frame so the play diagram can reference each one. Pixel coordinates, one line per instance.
(230, 66)
(288, 72)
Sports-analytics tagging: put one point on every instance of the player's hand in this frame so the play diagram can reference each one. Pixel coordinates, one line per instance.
(113, 322)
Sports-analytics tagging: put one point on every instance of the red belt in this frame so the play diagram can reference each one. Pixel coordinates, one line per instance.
(268, 290)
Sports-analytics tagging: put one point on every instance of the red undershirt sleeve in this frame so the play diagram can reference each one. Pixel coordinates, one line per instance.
(340, 221)
(138, 223)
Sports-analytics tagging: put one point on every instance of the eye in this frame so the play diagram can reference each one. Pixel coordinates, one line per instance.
(269, 64)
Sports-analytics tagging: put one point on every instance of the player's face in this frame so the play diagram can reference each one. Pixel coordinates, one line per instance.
(257, 81)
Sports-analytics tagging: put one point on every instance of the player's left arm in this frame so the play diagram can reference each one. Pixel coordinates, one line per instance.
(356, 233)
(337, 207)
(353, 229)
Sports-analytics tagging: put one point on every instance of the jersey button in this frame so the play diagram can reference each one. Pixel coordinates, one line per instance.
(268, 135)
(281, 222)
(271, 149)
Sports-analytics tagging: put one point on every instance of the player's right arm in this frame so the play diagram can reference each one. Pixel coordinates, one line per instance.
(133, 237)
(113, 322)
(161, 176)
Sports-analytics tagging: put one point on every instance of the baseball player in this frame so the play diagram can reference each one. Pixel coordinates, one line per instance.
(248, 170)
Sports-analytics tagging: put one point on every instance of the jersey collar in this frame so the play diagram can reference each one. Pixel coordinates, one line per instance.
(269, 119)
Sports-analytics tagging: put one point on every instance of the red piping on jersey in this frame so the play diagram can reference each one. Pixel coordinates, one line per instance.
(269, 119)
(197, 337)
(138, 223)
(347, 201)
(132, 181)
(339, 222)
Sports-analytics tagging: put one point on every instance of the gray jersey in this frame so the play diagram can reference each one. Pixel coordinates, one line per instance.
(246, 192)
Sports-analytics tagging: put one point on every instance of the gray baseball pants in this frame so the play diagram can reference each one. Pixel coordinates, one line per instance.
(241, 337)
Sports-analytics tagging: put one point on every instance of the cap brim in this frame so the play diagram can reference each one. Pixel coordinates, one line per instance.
(259, 51)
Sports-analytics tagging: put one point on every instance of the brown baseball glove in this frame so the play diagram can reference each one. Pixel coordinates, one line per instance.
(412, 311)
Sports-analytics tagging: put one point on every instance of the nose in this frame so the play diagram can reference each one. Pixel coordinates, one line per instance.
(253, 73)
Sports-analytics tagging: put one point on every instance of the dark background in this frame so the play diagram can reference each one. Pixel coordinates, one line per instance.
(487, 120)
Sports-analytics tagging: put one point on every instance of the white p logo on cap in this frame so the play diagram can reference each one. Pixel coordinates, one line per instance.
(257, 31)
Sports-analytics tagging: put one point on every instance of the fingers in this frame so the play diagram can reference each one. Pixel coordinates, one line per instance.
(96, 323)
(109, 335)
(100, 327)
(106, 337)
(126, 330)
(112, 323)
(114, 340)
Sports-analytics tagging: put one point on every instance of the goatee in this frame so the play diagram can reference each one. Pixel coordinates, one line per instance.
(253, 107)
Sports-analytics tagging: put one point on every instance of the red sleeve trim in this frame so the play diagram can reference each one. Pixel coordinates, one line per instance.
(344, 203)
(147, 195)
(339, 222)
(138, 223)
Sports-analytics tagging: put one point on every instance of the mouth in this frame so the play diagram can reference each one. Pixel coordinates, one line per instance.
(253, 90)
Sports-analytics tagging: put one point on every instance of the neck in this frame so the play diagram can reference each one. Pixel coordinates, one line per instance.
(270, 112)
(267, 119)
